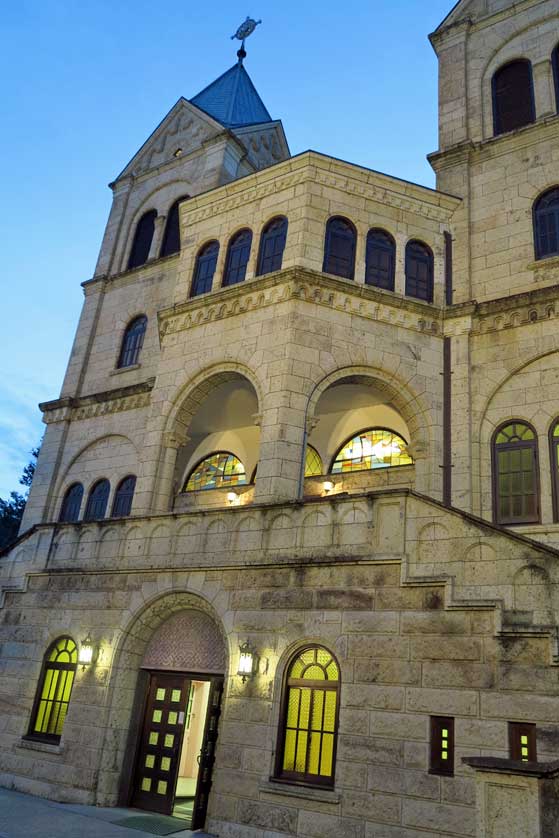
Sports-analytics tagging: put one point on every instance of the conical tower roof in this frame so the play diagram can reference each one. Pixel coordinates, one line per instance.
(233, 100)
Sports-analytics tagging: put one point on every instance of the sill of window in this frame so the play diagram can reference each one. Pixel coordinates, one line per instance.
(304, 792)
(30, 744)
(120, 370)
(545, 262)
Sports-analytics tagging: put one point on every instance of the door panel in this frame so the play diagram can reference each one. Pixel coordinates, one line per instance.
(158, 757)
(207, 756)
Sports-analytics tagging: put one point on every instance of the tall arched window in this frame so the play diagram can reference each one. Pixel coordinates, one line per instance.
(546, 224)
(555, 63)
(554, 444)
(218, 471)
(380, 263)
(513, 97)
(309, 720)
(372, 449)
(238, 254)
(71, 505)
(419, 271)
(206, 263)
(172, 236)
(515, 474)
(339, 248)
(54, 690)
(132, 342)
(97, 501)
(272, 245)
(313, 463)
(142, 240)
(122, 503)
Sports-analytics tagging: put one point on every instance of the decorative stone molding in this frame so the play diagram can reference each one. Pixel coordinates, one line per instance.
(98, 404)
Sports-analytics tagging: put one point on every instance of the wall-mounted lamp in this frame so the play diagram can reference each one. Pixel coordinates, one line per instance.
(86, 651)
(233, 498)
(246, 661)
(328, 486)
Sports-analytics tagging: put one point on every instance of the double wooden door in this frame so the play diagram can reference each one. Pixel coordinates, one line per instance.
(159, 750)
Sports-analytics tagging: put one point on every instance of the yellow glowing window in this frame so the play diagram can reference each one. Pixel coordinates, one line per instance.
(441, 759)
(55, 689)
(313, 463)
(309, 725)
(522, 742)
(377, 448)
(218, 471)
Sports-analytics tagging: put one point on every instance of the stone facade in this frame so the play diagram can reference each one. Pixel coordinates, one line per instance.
(430, 608)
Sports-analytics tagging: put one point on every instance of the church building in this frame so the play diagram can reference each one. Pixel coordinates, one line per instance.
(289, 566)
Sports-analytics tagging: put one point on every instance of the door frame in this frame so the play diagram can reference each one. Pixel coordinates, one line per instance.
(147, 675)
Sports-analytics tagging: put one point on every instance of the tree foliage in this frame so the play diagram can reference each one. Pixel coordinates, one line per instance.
(11, 510)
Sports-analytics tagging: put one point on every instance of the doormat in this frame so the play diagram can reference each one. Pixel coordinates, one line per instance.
(156, 824)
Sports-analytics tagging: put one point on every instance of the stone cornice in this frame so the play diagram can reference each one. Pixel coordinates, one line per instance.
(98, 404)
(130, 276)
(308, 286)
(505, 312)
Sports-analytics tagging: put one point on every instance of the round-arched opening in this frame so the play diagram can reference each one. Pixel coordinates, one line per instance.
(188, 641)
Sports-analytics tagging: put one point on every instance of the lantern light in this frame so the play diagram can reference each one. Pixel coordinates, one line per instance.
(246, 662)
(328, 486)
(86, 651)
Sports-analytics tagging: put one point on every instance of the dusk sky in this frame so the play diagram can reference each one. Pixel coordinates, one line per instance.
(85, 83)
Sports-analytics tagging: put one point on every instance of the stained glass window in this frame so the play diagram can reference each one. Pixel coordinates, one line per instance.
(515, 474)
(377, 448)
(132, 342)
(218, 471)
(313, 463)
(310, 718)
(339, 248)
(546, 224)
(238, 254)
(70, 509)
(272, 245)
(55, 689)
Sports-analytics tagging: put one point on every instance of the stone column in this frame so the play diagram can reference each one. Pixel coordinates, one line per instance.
(544, 92)
(281, 445)
(157, 237)
(515, 798)
(165, 489)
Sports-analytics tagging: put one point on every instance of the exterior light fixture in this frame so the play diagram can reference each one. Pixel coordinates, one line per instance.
(232, 497)
(86, 651)
(246, 662)
(328, 486)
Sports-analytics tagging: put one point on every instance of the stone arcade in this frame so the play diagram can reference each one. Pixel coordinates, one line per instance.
(312, 411)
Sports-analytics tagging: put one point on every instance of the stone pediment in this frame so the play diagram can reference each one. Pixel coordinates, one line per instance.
(184, 129)
(266, 143)
(475, 10)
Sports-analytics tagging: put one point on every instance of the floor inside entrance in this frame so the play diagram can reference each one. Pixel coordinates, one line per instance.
(195, 720)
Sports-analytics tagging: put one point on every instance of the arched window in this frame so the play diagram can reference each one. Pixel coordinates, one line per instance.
(339, 248)
(309, 719)
(272, 245)
(122, 503)
(313, 462)
(515, 474)
(54, 691)
(513, 97)
(71, 505)
(204, 271)
(419, 271)
(172, 236)
(218, 471)
(380, 260)
(142, 240)
(372, 449)
(132, 342)
(546, 224)
(97, 501)
(555, 62)
(238, 254)
(554, 443)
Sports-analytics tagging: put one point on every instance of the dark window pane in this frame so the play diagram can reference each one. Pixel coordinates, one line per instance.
(272, 245)
(513, 97)
(124, 495)
(70, 509)
(441, 760)
(546, 224)
(339, 248)
(142, 240)
(522, 742)
(555, 62)
(238, 254)
(419, 271)
(380, 260)
(206, 263)
(172, 237)
(516, 480)
(132, 342)
(97, 501)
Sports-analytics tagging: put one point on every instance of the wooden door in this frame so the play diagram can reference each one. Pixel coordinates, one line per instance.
(160, 747)
(207, 755)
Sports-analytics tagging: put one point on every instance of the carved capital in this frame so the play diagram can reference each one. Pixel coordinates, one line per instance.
(172, 440)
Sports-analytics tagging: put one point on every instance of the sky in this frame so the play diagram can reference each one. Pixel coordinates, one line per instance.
(84, 82)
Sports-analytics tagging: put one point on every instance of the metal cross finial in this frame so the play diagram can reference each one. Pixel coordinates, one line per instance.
(242, 33)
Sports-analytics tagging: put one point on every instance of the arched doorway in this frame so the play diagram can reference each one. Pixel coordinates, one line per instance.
(182, 674)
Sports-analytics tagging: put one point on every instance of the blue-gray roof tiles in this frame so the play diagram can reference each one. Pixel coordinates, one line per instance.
(232, 99)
